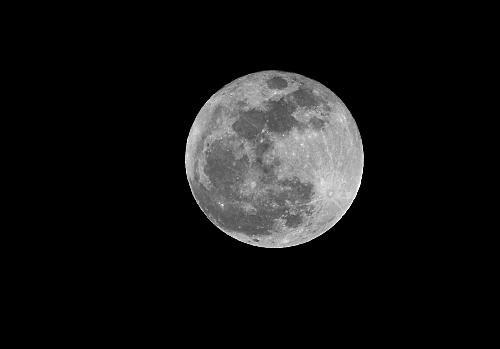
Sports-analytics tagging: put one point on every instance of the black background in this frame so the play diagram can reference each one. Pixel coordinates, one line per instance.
(151, 82)
(130, 83)
(181, 76)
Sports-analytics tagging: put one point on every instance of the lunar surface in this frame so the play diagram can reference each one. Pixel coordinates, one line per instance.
(274, 159)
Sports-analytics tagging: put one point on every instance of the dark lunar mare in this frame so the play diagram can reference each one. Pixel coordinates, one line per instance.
(278, 118)
(299, 195)
(260, 223)
(263, 144)
(317, 124)
(304, 97)
(223, 169)
(227, 172)
(276, 83)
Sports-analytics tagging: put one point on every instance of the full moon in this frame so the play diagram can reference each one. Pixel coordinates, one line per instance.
(274, 159)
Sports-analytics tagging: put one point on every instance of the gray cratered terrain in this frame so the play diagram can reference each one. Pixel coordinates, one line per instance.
(274, 159)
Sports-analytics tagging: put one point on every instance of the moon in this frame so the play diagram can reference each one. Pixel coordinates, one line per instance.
(274, 159)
